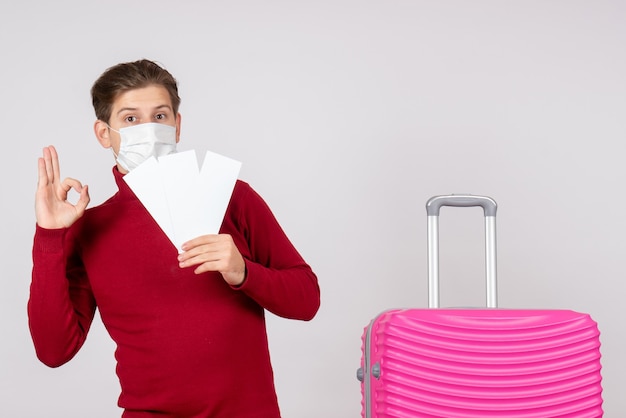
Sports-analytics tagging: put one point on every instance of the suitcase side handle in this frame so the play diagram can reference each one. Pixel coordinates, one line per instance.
(433, 207)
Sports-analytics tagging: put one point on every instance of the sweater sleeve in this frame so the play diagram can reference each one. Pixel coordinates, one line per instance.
(277, 277)
(61, 306)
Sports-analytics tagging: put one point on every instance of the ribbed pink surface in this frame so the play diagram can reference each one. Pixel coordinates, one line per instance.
(462, 363)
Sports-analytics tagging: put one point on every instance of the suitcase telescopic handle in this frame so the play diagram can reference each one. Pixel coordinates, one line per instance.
(490, 207)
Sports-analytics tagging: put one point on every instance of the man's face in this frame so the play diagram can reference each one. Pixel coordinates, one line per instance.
(134, 107)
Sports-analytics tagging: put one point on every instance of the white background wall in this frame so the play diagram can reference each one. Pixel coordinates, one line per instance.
(348, 115)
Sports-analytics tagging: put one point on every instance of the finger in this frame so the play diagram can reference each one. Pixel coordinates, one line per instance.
(66, 185)
(55, 163)
(47, 157)
(83, 200)
(201, 240)
(202, 255)
(190, 262)
(203, 268)
(211, 265)
(197, 255)
(70, 183)
(42, 179)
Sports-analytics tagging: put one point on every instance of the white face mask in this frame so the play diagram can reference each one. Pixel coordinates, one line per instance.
(140, 142)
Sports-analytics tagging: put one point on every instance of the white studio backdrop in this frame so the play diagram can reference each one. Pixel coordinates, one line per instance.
(347, 116)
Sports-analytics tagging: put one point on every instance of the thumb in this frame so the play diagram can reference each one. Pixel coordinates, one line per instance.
(83, 200)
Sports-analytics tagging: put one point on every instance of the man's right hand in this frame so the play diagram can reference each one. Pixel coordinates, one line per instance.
(52, 208)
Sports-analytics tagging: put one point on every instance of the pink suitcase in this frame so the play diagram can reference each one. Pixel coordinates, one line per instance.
(479, 363)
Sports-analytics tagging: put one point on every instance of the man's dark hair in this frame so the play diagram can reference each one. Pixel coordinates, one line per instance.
(129, 76)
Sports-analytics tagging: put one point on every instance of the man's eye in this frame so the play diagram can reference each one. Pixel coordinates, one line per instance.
(130, 119)
(160, 116)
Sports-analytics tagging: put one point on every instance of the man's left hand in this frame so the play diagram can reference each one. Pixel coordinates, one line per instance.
(214, 253)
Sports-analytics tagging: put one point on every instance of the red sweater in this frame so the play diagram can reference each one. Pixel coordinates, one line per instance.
(187, 345)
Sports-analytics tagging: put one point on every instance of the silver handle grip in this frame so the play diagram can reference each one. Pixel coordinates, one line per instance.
(489, 206)
(435, 203)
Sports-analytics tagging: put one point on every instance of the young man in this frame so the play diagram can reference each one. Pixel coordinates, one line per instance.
(189, 327)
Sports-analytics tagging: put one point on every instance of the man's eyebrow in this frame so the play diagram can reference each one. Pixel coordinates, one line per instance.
(126, 109)
(163, 106)
(133, 109)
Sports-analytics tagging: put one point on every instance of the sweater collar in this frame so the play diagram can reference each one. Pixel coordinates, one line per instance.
(124, 190)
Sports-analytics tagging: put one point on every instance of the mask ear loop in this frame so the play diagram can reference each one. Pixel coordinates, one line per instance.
(111, 128)
(114, 130)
